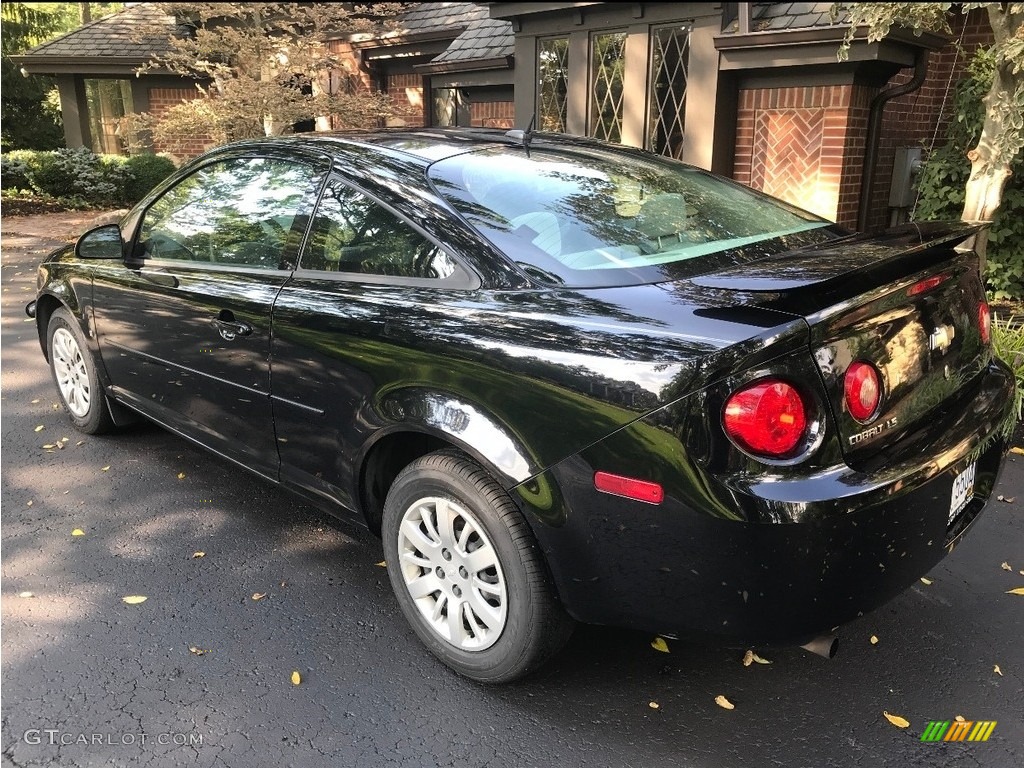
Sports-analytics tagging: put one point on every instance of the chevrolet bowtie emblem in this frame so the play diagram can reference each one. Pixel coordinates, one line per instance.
(941, 338)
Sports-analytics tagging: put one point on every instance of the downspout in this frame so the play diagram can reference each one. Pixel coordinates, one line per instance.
(867, 176)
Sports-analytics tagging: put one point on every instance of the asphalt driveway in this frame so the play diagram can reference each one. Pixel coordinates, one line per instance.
(200, 673)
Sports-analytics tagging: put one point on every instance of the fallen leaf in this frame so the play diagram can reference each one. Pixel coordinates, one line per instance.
(258, 595)
(724, 703)
(60, 446)
(899, 722)
(1006, 567)
(80, 442)
(925, 581)
(383, 564)
(105, 469)
(181, 475)
(78, 532)
(959, 718)
(25, 594)
(30, 503)
(759, 660)
(196, 651)
(35, 401)
(659, 644)
(1018, 450)
(1008, 499)
(1017, 591)
(198, 554)
(748, 658)
(48, 445)
(134, 599)
(283, 583)
(40, 428)
(296, 678)
(654, 705)
(874, 640)
(997, 670)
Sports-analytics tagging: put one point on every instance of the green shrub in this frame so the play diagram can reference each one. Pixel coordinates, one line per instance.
(81, 178)
(944, 177)
(77, 174)
(14, 170)
(1008, 345)
(146, 172)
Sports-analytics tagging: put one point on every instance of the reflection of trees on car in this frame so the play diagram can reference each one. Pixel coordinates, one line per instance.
(234, 212)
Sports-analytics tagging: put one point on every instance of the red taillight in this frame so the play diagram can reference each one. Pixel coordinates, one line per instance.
(984, 322)
(767, 418)
(925, 285)
(630, 487)
(863, 390)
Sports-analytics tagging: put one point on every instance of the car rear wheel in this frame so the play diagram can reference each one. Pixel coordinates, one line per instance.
(74, 373)
(467, 571)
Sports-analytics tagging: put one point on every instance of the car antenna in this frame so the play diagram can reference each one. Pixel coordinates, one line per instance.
(524, 136)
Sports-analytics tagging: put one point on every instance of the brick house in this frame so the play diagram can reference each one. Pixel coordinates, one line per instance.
(750, 90)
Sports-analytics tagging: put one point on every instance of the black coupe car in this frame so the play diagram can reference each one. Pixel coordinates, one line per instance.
(564, 380)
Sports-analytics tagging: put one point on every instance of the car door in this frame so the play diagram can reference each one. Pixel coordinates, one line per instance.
(184, 325)
(341, 322)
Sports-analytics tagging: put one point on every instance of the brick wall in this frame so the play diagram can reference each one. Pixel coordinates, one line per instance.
(186, 147)
(911, 120)
(806, 145)
(492, 114)
(801, 144)
(406, 91)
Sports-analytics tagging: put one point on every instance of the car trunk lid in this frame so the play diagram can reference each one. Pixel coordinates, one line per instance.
(907, 302)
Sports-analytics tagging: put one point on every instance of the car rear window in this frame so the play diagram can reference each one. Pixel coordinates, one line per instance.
(587, 216)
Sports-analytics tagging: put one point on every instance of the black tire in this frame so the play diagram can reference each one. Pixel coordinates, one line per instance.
(82, 396)
(535, 626)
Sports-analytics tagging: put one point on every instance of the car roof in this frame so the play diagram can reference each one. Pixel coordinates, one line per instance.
(418, 146)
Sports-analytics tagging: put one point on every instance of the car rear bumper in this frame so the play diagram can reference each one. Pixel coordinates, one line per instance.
(843, 541)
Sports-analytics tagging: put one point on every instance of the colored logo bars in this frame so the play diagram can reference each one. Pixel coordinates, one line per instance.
(956, 730)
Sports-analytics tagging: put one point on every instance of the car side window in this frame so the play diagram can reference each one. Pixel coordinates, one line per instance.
(352, 233)
(234, 212)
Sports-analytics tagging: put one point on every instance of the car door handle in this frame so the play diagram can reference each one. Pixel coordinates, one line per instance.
(229, 328)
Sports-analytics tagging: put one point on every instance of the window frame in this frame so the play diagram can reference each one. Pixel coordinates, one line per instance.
(463, 278)
(540, 41)
(592, 82)
(650, 75)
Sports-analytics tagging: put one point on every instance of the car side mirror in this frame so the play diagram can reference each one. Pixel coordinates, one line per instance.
(101, 243)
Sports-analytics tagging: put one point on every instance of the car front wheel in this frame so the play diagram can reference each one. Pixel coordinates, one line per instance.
(74, 373)
(467, 571)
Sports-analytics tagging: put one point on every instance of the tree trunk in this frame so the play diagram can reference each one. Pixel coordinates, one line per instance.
(84, 13)
(985, 186)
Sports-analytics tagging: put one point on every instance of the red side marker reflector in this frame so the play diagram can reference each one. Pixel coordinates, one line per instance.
(631, 488)
(925, 285)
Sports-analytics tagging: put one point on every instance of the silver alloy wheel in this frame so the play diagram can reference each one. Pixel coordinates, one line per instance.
(452, 573)
(72, 375)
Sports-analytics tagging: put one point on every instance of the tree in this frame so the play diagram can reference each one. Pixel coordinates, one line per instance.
(260, 68)
(1002, 132)
(26, 125)
(29, 110)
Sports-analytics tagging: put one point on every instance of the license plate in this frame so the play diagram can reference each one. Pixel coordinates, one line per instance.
(963, 491)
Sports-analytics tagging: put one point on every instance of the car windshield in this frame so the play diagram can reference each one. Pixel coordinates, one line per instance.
(589, 216)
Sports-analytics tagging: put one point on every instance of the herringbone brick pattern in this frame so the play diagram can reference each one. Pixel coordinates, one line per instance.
(787, 153)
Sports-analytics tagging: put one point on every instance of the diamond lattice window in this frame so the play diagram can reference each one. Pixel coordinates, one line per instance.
(552, 83)
(670, 47)
(608, 62)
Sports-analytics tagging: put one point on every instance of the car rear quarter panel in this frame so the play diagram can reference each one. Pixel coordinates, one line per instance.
(520, 379)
